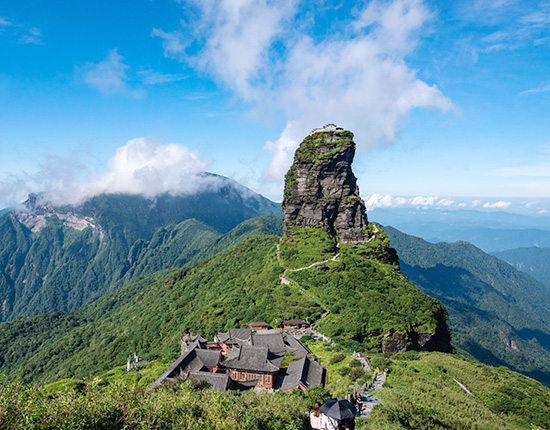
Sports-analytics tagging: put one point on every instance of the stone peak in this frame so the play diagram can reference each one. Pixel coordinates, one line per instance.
(321, 189)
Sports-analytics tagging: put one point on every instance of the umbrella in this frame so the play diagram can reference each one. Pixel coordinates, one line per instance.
(338, 409)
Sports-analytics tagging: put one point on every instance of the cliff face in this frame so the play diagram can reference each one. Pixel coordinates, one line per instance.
(321, 189)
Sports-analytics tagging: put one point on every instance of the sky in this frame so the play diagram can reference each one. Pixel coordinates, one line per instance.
(449, 101)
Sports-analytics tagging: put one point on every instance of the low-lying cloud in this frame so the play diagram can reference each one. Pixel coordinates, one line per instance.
(143, 166)
(380, 201)
(356, 77)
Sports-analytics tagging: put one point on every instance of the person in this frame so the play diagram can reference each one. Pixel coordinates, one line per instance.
(316, 417)
(329, 423)
(347, 424)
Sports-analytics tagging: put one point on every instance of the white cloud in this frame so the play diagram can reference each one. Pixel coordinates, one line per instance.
(358, 78)
(21, 33)
(476, 203)
(4, 22)
(445, 202)
(501, 204)
(542, 89)
(386, 201)
(109, 76)
(237, 37)
(143, 166)
(151, 77)
(423, 201)
(172, 43)
(33, 36)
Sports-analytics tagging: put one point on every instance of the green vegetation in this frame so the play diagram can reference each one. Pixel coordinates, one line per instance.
(97, 405)
(304, 246)
(377, 297)
(60, 268)
(315, 148)
(498, 315)
(532, 260)
(424, 393)
(148, 316)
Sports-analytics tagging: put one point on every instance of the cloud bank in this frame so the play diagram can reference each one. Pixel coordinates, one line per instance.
(143, 166)
(380, 201)
(357, 76)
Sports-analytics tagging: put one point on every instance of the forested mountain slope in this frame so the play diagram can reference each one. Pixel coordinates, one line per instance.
(532, 260)
(58, 258)
(497, 314)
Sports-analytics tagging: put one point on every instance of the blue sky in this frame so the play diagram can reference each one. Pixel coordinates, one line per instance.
(449, 101)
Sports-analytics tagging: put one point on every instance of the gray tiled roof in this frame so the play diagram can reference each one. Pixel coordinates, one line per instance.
(208, 357)
(191, 361)
(182, 366)
(235, 334)
(273, 341)
(255, 359)
(219, 381)
(305, 371)
(294, 345)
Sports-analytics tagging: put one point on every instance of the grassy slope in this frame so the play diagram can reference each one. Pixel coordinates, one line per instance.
(231, 290)
(490, 303)
(364, 295)
(421, 392)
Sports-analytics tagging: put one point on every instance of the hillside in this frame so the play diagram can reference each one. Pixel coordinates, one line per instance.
(498, 315)
(426, 390)
(148, 316)
(532, 260)
(58, 258)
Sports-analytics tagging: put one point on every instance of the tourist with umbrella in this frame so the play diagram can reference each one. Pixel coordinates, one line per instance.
(338, 412)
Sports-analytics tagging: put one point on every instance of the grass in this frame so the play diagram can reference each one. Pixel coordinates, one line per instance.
(305, 246)
(420, 393)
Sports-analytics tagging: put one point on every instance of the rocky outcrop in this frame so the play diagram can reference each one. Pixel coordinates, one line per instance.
(321, 189)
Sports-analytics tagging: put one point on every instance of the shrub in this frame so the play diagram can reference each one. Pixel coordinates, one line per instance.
(356, 373)
(337, 358)
(355, 363)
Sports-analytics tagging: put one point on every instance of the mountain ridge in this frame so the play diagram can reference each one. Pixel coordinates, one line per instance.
(76, 254)
(499, 315)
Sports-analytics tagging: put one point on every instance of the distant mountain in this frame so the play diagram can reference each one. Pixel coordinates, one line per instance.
(490, 231)
(58, 258)
(498, 315)
(532, 260)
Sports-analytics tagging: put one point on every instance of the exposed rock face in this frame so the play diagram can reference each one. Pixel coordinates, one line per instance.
(321, 189)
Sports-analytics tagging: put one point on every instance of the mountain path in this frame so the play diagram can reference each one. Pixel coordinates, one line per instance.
(286, 281)
(368, 400)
